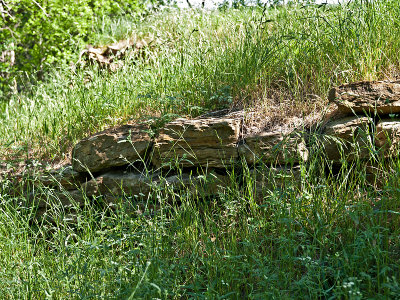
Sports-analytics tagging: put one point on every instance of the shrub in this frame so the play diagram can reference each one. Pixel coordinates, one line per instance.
(38, 32)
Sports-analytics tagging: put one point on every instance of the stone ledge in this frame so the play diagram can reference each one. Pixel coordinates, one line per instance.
(210, 142)
(112, 148)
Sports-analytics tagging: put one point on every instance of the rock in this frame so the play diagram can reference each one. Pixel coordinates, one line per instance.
(111, 148)
(55, 205)
(69, 198)
(350, 137)
(269, 178)
(380, 97)
(273, 147)
(63, 178)
(45, 199)
(119, 183)
(201, 185)
(376, 176)
(209, 142)
(106, 55)
(387, 137)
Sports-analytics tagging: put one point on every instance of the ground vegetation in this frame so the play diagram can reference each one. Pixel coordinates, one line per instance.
(334, 236)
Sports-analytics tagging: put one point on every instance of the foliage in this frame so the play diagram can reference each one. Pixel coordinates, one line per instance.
(42, 32)
(332, 237)
(205, 61)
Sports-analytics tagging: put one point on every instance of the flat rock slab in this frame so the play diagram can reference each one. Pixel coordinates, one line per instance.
(200, 185)
(119, 183)
(348, 138)
(111, 148)
(376, 176)
(63, 178)
(58, 203)
(210, 142)
(380, 97)
(66, 199)
(387, 137)
(273, 147)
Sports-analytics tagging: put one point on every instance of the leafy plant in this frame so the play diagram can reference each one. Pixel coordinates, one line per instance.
(39, 33)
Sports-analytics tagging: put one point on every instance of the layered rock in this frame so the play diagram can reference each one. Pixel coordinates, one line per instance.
(66, 202)
(209, 142)
(273, 148)
(64, 178)
(111, 148)
(116, 184)
(66, 198)
(213, 143)
(376, 176)
(372, 97)
(348, 138)
(387, 138)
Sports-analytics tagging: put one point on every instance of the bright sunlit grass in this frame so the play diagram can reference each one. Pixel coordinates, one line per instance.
(331, 235)
(205, 60)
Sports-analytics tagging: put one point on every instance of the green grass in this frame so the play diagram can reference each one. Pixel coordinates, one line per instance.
(334, 236)
(205, 61)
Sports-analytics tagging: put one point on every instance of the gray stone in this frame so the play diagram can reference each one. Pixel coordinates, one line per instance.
(387, 137)
(266, 179)
(65, 199)
(62, 178)
(55, 206)
(120, 183)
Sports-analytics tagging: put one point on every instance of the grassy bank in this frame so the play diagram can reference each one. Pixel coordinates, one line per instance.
(333, 236)
(282, 61)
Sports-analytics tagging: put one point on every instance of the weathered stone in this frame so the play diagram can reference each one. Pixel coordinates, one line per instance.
(349, 137)
(55, 205)
(119, 183)
(380, 97)
(110, 148)
(65, 198)
(269, 178)
(376, 175)
(207, 142)
(273, 147)
(387, 137)
(56, 217)
(200, 185)
(63, 178)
